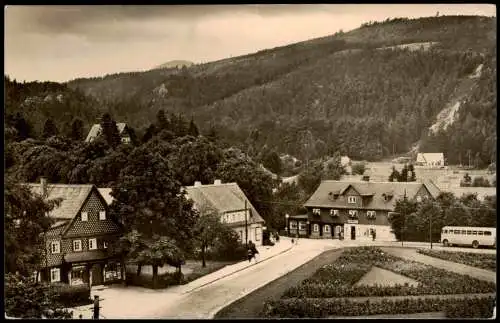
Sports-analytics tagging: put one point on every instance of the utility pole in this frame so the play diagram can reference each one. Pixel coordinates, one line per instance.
(430, 228)
(246, 225)
(404, 216)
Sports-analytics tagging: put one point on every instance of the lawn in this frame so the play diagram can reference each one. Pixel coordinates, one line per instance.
(484, 261)
(369, 272)
(191, 270)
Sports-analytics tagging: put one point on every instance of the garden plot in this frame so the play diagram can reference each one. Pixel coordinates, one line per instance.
(383, 277)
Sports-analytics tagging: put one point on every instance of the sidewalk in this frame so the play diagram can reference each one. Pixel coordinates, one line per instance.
(117, 299)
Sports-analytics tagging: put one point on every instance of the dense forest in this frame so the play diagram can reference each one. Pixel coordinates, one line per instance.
(341, 93)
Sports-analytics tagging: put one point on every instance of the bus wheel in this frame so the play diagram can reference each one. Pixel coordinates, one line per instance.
(475, 244)
(445, 243)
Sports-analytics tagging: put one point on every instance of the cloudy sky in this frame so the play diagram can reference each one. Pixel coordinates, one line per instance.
(60, 43)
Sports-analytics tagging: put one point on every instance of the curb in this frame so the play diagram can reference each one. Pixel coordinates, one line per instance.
(234, 272)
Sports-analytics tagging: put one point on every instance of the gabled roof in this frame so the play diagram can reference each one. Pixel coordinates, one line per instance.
(95, 131)
(73, 196)
(222, 197)
(430, 157)
(322, 197)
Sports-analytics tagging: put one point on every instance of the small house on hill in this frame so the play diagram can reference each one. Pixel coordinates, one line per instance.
(229, 201)
(96, 131)
(430, 159)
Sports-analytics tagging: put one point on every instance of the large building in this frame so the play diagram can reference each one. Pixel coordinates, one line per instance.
(234, 208)
(353, 210)
(430, 159)
(76, 244)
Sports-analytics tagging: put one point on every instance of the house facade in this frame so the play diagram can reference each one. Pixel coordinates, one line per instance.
(234, 208)
(96, 131)
(354, 210)
(430, 159)
(76, 246)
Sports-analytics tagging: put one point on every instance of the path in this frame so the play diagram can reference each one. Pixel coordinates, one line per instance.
(412, 254)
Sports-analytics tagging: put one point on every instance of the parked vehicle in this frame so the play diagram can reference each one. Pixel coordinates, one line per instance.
(469, 236)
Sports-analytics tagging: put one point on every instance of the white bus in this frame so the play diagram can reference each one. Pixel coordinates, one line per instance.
(469, 236)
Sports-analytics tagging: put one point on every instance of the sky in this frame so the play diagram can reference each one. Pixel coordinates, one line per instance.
(61, 43)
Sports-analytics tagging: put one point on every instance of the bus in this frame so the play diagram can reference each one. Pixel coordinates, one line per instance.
(469, 236)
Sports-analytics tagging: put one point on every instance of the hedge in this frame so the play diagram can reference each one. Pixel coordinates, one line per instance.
(484, 261)
(477, 307)
(164, 280)
(71, 296)
(337, 280)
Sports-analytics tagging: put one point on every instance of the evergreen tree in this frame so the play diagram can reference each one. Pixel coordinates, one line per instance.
(23, 127)
(413, 176)
(49, 129)
(403, 177)
(150, 132)
(76, 130)
(394, 177)
(213, 134)
(161, 120)
(110, 130)
(193, 129)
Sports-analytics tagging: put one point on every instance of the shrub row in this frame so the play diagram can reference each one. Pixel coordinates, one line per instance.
(71, 296)
(337, 280)
(484, 261)
(164, 280)
(478, 307)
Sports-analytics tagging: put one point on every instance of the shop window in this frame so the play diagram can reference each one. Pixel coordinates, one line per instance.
(293, 225)
(112, 271)
(55, 275)
(77, 274)
(302, 225)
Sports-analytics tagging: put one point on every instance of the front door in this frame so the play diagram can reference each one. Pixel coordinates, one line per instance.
(96, 274)
(353, 233)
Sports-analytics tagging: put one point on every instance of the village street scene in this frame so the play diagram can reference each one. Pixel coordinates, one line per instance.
(336, 170)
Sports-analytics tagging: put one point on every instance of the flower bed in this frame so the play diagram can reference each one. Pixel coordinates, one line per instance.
(337, 280)
(477, 307)
(484, 261)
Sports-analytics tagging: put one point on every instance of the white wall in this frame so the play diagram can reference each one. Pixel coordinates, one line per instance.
(383, 232)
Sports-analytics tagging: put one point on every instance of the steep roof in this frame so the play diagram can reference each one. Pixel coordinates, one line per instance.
(73, 196)
(223, 198)
(95, 131)
(106, 193)
(373, 193)
(430, 157)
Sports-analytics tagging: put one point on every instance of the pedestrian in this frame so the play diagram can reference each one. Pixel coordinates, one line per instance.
(80, 316)
(374, 234)
(341, 235)
(96, 307)
(277, 237)
(297, 238)
(252, 251)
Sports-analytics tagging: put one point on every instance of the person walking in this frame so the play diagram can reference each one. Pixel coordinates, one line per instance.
(277, 237)
(252, 251)
(374, 234)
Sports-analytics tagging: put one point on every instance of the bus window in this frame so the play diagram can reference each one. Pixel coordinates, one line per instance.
(474, 232)
(456, 231)
(480, 233)
(464, 232)
(469, 232)
(487, 233)
(445, 231)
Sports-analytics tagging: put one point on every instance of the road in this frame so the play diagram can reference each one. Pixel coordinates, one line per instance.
(205, 302)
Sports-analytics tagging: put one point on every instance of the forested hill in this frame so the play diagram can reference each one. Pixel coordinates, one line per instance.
(344, 92)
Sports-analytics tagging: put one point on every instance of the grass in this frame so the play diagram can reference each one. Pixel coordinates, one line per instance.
(483, 261)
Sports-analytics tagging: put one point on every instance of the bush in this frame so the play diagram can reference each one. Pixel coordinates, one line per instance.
(484, 261)
(323, 307)
(71, 296)
(358, 168)
(227, 248)
(164, 280)
(480, 182)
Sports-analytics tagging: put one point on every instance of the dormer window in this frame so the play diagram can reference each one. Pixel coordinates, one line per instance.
(351, 199)
(370, 214)
(316, 211)
(353, 213)
(334, 212)
(85, 216)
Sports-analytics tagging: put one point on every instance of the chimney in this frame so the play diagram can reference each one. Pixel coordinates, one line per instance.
(197, 183)
(217, 182)
(43, 186)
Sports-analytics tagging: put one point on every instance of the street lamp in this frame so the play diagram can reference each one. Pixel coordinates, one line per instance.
(286, 217)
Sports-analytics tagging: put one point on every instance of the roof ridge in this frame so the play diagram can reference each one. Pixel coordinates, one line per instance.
(60, 185)
(212, 185)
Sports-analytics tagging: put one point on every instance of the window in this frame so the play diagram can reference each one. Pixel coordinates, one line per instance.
(293, 224)
(419, 198)
(456, 231)
(464, 232)
(315, 227)
(92, 244)
(55, 247)
(85, 216)
(257, 234)
(317, 211)
(487, 233)
(102, 215)
(126, 139)
(77, 273)
(105, 244)
(351, 199)
(334, 212)
(326, 228)
(370, 214)
(55, 275)
(353, 213)
(241, 235)
(302, 225)
(480, 233)
(474, 232)
(469, 232)
(77, 245)
(445, 231)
